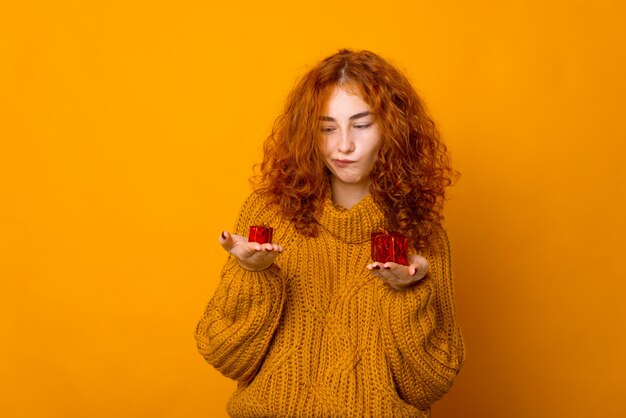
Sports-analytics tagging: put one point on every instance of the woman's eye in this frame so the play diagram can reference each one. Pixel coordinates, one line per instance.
(363, 125)
(327, 129)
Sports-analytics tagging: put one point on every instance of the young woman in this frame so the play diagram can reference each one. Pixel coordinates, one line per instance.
(309, 325)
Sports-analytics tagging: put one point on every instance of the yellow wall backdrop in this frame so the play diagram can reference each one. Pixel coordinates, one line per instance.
(128, 132)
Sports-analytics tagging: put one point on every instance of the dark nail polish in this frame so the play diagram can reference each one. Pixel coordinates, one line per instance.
(224, 235)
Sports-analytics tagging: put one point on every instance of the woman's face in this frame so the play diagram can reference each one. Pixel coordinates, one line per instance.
(350, 138)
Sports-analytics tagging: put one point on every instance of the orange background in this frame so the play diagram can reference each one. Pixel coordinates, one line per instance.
(128, 133)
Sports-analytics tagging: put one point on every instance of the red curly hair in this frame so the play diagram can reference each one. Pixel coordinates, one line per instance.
(412, 170)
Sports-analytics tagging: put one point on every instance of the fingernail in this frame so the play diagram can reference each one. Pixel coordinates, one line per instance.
(376, 267)
(224, 235)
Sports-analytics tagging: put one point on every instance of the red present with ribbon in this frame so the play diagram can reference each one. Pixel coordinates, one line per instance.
(260, 234)
(391, 246)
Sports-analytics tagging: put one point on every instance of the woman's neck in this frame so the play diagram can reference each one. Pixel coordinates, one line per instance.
(347, 195)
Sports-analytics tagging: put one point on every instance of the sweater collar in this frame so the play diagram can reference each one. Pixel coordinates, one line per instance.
(354, 225)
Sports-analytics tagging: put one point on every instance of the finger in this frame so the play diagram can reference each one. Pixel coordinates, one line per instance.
(421, 263)
(397, 275)
(392, 267)
(226, 240)
(386, 275)
(374, 269)
(374, 266)
(271, 247)
(421, 269)
(265, 256)
(401, 273)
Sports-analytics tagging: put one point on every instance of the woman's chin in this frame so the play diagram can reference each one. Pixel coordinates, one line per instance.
(352, 181)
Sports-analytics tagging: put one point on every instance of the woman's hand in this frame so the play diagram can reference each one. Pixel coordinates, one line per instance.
(398, 276)
(250, 255)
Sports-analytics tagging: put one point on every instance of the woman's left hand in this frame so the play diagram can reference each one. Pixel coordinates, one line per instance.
(398, 276)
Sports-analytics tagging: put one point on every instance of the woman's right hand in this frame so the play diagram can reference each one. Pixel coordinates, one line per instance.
(250, 255)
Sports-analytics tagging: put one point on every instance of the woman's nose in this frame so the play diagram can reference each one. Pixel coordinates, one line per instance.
(346, 143)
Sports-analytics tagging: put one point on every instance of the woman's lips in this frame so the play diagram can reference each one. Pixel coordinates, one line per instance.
(343, 163)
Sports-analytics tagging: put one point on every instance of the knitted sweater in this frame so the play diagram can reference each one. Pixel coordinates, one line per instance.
(317, 335)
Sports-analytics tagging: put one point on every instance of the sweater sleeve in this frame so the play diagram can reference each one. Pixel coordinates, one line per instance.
(235, 331)
(421, 339)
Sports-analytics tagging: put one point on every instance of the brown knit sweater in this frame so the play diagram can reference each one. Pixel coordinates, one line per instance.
(316, 335)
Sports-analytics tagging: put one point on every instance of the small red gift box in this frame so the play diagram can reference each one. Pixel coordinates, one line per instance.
(260, 234)
(391, 246)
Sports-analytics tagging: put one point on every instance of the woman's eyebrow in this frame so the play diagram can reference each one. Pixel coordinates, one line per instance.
(355, 116)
